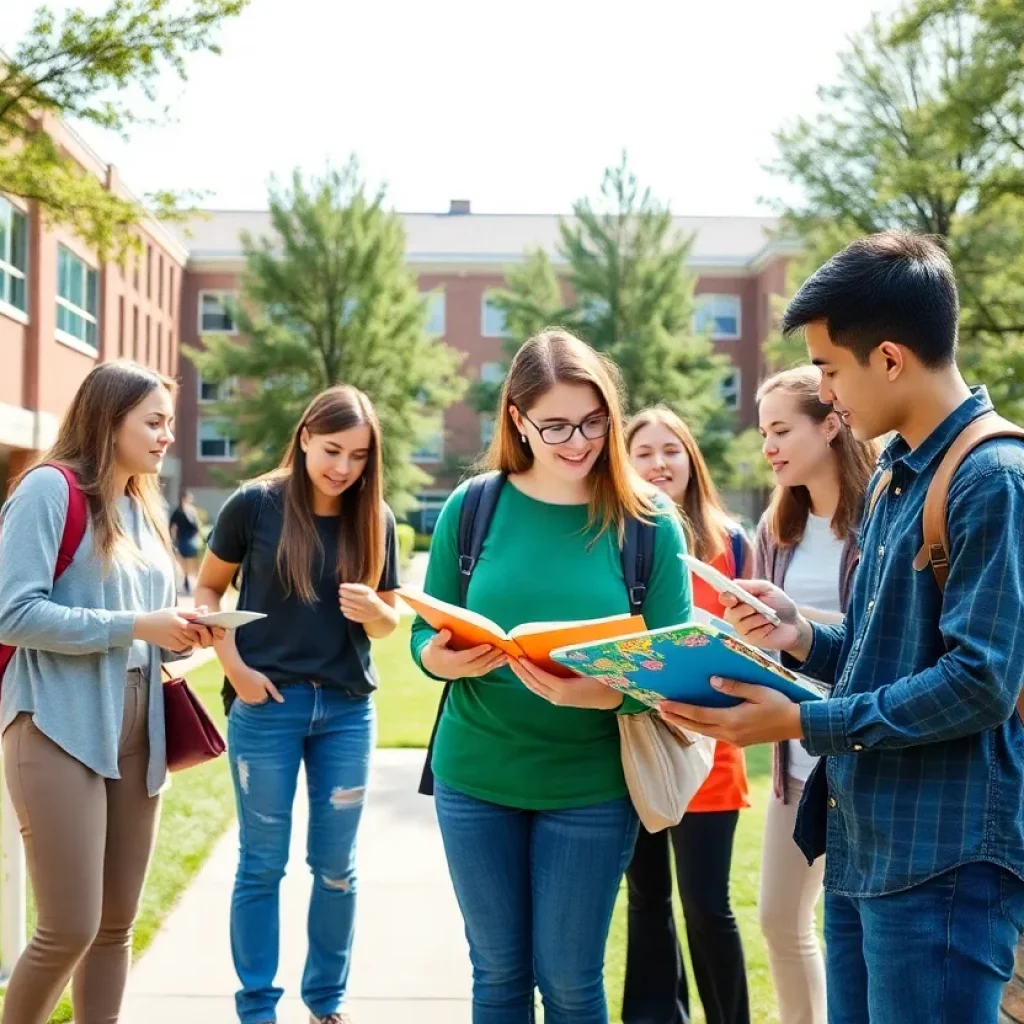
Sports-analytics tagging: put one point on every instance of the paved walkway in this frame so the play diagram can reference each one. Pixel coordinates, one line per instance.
(410, 961)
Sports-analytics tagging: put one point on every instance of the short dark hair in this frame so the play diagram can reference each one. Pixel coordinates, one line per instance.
(893, 286)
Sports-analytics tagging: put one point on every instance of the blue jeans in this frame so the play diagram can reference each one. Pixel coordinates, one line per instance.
(332, 734)
(536, 890)
(939, 953)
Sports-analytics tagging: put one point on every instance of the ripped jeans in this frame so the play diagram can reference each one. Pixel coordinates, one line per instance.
(332, 734)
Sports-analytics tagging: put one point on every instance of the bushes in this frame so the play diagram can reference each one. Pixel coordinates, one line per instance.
(423, 541)
(406, 542)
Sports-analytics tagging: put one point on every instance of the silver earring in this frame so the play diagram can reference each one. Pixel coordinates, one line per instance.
(522, 437)
(828, 442)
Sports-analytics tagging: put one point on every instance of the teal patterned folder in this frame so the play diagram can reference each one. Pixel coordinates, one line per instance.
(677, 663)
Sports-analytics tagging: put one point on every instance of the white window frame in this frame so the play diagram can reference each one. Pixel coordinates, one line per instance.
(736, 401)
(9, 211)
(437, 309)
(231, 455)
(485, 304)
(708, 299)
(66, 337)
(221, 294)
(429, 459)
(230, 385)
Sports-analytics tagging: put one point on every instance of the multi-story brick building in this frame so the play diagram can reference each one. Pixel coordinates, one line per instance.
(460, 258)
(62, 310)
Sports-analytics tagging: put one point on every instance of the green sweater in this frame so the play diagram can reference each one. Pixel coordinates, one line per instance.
(498, 741)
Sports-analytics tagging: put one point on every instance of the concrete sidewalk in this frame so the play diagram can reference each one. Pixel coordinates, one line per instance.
(410, 961)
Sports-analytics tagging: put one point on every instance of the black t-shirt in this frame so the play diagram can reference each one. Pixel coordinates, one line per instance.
(187, 524)
(297, 642)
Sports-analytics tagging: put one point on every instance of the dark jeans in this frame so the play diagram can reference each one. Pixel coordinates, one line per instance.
(656, 991)
(939, 953)
(536, 890)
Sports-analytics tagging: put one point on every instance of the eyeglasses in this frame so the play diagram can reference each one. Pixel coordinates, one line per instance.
(593, 428)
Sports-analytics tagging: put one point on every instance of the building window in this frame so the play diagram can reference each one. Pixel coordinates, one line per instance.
(431, 448)
(213, 316)
(492, 373)
(719, 314)
(160, 347)
(13, 256)
(170, 291)
(149, 336)
(217, 390)
(215, 442)
(486, 430)
(492, 318)
(77, 299)
(730, 389)
(160, 281)
(436, 313)
(120, 327)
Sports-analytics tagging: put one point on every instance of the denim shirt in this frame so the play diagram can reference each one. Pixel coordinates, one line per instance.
(925, 753)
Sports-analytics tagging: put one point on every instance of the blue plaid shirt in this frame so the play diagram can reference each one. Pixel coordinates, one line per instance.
(926, 753)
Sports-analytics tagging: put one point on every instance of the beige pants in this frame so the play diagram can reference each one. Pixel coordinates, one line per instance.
(789, 892)
(88, 842)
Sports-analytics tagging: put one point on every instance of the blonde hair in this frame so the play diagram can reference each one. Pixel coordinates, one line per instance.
(360, 554)
(790, 506)
(705, 515)
(85, 444)
(554, 356)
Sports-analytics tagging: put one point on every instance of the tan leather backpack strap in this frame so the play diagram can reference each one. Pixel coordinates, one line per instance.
(879, 490)
(935, 549)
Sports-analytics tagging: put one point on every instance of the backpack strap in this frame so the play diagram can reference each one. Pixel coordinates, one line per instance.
(75, 522)
(935, 549)
(637, 561)
(876, 494)
(736, 539)
(475, 515)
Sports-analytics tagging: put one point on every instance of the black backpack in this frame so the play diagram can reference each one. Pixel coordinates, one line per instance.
(475, 516)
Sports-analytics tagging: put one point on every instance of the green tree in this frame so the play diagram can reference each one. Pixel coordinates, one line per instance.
(327, 298)
(93, 68)
(631, 298)
(923, 131)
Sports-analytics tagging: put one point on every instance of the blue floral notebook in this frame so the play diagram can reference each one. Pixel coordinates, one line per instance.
(677, 663)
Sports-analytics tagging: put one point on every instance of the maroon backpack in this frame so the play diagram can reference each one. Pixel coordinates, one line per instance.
(74, 530)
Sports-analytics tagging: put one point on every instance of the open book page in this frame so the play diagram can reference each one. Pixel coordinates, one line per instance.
(468, 628)
(538, 639)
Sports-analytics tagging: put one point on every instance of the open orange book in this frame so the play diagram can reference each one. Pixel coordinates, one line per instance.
(532, 640)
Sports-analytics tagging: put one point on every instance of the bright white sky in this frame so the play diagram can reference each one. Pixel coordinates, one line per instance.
(515, 106)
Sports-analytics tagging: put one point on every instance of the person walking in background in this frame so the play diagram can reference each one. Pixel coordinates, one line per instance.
(664, 452)
(185, 534)
(82, 708)
(318, 552)
(529, 788)
(807, 544)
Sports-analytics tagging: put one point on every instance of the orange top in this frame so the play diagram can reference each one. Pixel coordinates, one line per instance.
(726, 786)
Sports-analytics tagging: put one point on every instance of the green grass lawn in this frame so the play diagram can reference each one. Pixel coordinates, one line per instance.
(200, 805)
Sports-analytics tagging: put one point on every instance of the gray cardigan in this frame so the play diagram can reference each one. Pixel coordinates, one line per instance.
(74, 636)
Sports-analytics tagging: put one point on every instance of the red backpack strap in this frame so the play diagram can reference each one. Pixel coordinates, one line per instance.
(74, 523)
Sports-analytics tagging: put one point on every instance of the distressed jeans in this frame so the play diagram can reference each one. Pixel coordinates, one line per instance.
(332, 734)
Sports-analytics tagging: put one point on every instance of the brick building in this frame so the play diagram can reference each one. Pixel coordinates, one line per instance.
(62, 311)
(460, 258)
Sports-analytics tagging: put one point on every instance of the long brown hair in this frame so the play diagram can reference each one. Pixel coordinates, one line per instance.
(85, 444)
(555, 356)
(704, 512)
(360, 555)
(790, 506)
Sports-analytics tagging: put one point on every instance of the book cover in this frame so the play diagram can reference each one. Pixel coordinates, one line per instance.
(532, 640)
(677, 663)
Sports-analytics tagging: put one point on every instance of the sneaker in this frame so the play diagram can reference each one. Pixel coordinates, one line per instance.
(331, 1018)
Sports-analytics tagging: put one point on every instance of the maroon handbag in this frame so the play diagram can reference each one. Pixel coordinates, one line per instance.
(192, 738)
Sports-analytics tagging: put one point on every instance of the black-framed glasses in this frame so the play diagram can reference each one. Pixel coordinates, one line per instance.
(593, 428)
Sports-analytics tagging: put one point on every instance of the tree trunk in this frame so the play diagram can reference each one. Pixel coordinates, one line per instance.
(1013, 997)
